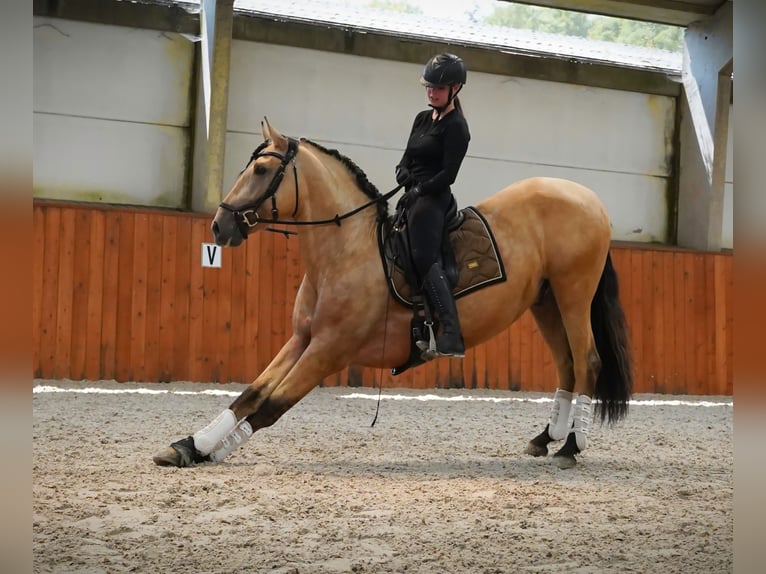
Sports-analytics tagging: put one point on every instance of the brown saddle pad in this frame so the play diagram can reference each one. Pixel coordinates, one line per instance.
(478, 261)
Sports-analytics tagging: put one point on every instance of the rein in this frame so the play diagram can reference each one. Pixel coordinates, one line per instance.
(247, 216)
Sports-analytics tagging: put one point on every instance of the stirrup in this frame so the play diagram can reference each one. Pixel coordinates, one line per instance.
(428, 348)
(431, 352)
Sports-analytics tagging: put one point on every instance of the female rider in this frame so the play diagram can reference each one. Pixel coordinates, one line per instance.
(435, 150)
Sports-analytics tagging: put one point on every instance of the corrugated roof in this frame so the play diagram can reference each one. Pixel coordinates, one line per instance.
(358, 16)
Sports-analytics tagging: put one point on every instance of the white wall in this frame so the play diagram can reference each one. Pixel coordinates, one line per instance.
(111, 113)
(616, 142)
(112, 105)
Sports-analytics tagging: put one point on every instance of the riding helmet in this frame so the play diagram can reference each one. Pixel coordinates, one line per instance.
(443, 70)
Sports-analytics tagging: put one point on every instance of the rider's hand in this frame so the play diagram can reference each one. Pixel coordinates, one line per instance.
(410, 196)
(402, 175)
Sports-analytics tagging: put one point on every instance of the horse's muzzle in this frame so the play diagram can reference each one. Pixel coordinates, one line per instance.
(225, 230)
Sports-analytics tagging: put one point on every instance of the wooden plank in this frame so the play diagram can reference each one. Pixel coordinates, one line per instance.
(38, 293)
(525, 359)
(659, 294)
(49, 303)
(264, 314)
(469, 368)
(504, 366)
(678, 385)
(514, 334)
(479, 373)
(669, 309)
(536, 343)
(80, 281)
(253, 290)
(492, 380)
(95, 312)
(729, 296)
(224, 316)
(236, 361)
(690, 378)
(710, 322)
(648, 336)
(168, 289)
(154, 246)
(702, 346)
(124, 340)
(550, 374)
(279, 311)
(110, 298)
(455, 371)
(211, 332)
(64, 294)
(720, 304)
(182, 358)
(138, 297)
(635, 304)
(196, 306)
(428, 376)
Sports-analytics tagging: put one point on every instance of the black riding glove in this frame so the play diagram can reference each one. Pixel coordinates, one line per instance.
(409, 197)
(402, 175)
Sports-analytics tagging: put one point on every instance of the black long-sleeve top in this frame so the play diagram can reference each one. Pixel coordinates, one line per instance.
(435, 150)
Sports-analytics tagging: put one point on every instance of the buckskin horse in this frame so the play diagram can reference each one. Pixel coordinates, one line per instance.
(554, 234)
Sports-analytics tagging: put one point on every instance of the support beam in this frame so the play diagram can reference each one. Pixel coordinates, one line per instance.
(216, 21)
(671, 12)
(704, 108)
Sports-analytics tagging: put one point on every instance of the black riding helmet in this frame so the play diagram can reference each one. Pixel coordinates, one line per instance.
(443, 70)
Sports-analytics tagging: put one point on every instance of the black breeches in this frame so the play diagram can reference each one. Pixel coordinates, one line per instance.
(425, 224)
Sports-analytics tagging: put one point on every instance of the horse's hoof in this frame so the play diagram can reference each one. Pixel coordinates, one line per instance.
(564, 461)
(181, 453)
(536, 450)
(168, 457)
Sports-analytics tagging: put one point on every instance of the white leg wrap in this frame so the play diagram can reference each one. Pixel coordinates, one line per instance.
(231, 441)
(208, 437)
(581, 420)
(558, 424)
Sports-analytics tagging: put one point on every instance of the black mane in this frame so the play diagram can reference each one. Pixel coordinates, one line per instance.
(362, 181)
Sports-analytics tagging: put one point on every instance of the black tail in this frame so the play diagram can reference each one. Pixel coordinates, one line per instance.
(614, 384)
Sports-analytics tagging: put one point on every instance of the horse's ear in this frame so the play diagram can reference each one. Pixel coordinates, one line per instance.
(269, 133)
(265, 128)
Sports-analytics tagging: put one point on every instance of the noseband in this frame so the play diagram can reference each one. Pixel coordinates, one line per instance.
(246, 217)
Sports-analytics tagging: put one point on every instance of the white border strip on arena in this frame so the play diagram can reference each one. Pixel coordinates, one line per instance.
(374, 396)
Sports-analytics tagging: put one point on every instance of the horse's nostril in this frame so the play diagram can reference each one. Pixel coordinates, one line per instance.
(214, 227)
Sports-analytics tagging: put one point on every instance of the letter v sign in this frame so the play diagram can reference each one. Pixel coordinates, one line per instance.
(211, 255)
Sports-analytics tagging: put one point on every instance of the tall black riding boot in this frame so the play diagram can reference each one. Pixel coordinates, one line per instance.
(450, 341)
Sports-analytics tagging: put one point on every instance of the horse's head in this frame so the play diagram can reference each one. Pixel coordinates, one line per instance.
(254, 198)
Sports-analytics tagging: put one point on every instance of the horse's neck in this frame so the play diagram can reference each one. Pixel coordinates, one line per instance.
(327, 193)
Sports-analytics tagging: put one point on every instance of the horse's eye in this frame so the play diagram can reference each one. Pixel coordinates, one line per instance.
(260, 170)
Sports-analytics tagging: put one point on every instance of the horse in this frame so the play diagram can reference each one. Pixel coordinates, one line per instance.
(554, 235)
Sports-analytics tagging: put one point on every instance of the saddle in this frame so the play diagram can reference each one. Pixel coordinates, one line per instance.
(469, 257)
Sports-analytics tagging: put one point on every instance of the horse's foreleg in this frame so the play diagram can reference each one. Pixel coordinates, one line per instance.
(306, 374)
(230, 428)
(233, 426)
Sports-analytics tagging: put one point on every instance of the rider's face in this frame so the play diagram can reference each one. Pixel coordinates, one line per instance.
(437, 95)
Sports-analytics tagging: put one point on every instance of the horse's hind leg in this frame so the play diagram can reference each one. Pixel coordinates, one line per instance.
(548, 318)
(574, 301)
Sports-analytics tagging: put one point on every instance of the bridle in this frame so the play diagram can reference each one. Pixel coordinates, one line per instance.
(246, 217)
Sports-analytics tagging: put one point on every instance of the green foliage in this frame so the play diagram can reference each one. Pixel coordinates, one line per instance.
(395, 6)
(570, 23)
